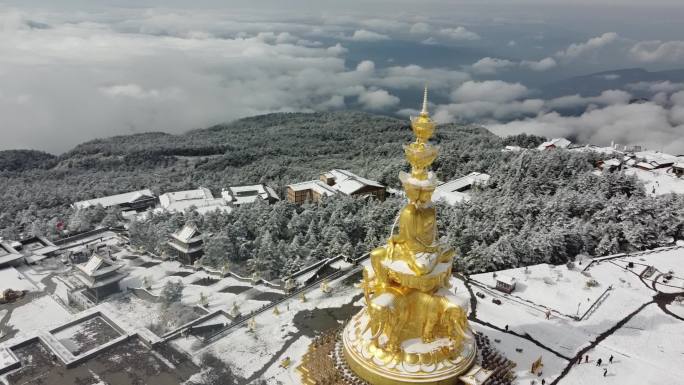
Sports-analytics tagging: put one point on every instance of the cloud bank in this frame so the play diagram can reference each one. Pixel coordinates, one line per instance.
(69, 77)
(77, 77)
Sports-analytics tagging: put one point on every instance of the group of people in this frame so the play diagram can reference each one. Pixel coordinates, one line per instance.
(493, 360)
(598, 362)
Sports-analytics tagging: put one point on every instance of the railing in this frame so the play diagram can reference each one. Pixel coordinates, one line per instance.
(245, 318)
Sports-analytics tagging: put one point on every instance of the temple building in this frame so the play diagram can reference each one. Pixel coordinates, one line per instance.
(554, 143)
(137, 201)
(505, 283)
(201, 200)
(458, 190)
(187, 244)
(9, 256)
(239, 195)
(336, 181)
(678, 169)
(35, 248)
(101, 277)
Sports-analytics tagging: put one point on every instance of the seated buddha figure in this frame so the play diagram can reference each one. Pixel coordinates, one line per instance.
(415, 243)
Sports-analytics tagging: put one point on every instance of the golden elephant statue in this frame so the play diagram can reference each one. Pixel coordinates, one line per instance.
(387, 313)
(435, 316)
(403, 315)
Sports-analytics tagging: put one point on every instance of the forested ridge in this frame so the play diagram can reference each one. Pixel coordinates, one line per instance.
(539, 206)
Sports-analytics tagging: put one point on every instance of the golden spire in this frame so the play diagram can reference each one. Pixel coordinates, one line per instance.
(421, 154)
(424, 111)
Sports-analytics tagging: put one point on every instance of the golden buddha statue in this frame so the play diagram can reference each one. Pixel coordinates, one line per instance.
(413, 329)
(415, 246)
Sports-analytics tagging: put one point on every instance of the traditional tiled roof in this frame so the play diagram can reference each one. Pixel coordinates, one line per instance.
(238, 195)
(556, 142)
(452, 192)
(315, 185)
(188, 234)
(202, 199)
(343, 181)
(115, 200)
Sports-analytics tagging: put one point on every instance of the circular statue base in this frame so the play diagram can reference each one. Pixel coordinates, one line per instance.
(325, 363)
(439, 362)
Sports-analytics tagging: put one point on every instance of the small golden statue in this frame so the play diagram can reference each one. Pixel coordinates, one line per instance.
(413, 329)
(251, 325)
(325, 287)
(234, 310)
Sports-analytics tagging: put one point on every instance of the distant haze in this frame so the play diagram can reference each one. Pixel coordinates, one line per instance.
(86, 69)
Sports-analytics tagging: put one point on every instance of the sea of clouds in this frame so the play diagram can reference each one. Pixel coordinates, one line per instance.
(66, 77)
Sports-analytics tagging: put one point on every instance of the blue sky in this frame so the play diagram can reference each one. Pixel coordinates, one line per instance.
(71, 71)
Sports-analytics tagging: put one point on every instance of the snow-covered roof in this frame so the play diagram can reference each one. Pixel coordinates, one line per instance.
(187, 234)
(36, 248)
(612, 162)
(115, 200)
(343, 181)
(348, 183)
(184, 248)
(645, 166)
(453, 191)
(507, 279)
(8, 254)
(678, 165)
(656, 157)
(602, 150)
(169, 198)
(238, 195)
(512, 149)
(556, 142)
(93, 264)
(202, 199)
(210, 207)
(315, 185)
(658, 181)
(98, 265)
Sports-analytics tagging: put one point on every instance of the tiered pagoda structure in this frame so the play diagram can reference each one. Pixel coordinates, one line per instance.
(187, 244)
(100, 276)
(413, 328)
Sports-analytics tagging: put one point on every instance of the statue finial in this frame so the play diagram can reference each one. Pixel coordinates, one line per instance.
(425, 103)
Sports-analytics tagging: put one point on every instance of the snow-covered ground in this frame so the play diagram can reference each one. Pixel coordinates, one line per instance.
(548, 286)
(43, 313)
(659, 181)
(279, 335)
(647, 350)
(508, 343)
(622, 313)
(10, 278)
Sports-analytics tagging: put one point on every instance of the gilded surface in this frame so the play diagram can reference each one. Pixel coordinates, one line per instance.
(413, 329)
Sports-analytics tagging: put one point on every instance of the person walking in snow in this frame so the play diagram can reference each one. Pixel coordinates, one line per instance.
(586, 359)
(610, 359)
(605, 371)
(598, 362)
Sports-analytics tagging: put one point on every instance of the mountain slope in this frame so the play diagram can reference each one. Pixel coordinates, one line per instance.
(21, 160)
(277, 149)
